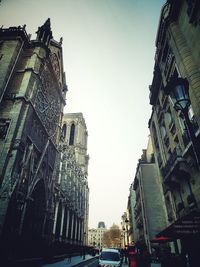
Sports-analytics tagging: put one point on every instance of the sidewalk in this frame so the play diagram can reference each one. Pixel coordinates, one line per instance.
(152, 264)
(67, 263)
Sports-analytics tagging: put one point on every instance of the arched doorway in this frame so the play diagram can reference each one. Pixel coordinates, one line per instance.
(35, 213)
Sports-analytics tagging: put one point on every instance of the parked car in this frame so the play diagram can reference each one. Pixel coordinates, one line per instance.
(109, 257)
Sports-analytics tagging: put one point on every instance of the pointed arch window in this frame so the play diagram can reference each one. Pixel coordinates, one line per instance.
(72, 132)
(64, 131)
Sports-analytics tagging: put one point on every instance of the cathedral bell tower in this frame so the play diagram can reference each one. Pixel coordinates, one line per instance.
(44, 33)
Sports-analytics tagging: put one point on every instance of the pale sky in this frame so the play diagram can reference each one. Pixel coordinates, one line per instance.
(109, 48)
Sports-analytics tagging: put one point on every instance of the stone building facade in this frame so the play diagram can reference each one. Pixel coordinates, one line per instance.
(71, 184)
(32, 98)
(149, 210)
(178, 56)
(95, 235)
(133, 231)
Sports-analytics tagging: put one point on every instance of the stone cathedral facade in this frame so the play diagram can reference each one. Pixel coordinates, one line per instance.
(43, 177)
(32, 95)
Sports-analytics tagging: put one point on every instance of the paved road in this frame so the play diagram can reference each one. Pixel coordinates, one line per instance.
(87, 261)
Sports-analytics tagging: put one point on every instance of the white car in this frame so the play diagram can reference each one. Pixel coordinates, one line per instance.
(109, 258)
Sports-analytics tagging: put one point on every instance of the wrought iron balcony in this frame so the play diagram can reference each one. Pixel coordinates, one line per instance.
(191, 200)
(139, 223)
(172, 163)
(186, 138)
(180, 206)
(194, 124)
(170, 216)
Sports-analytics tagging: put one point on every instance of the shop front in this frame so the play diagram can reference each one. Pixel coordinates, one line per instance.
(187, 230)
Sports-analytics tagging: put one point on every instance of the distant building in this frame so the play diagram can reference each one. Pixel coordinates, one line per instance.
(101, 225)
(71, 185)
(95, 236)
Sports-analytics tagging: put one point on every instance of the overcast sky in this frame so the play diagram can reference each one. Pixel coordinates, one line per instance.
(109, 48)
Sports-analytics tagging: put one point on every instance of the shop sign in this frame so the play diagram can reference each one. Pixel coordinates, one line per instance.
(189, 226)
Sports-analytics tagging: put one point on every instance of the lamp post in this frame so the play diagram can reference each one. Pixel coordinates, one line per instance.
(124, 230)
(121, 240)
(125, 249)
(178, 89)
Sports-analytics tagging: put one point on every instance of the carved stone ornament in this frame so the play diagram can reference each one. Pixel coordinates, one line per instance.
(48, 104)
(193, 11)
(55, 65)
(4, 125)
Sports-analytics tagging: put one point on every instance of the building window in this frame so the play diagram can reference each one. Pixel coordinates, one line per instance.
(165, 52)
(72, 132)
(155, 138)
(163, 131)
(4, 124)
(192, 11)
(64, 131)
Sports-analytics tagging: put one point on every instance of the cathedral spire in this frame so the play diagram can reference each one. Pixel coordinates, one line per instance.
(44, 33)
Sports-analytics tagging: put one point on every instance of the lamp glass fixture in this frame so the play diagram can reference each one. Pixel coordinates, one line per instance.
(179, 95)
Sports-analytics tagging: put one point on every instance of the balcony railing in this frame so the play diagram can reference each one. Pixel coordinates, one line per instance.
(139, 223)
(180, 206)
(170, 216)
(194, 124)
(191, 200)
(186, 138)
(172, 162)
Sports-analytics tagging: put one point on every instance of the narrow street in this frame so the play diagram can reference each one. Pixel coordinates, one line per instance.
(100, 133)
(74, 261)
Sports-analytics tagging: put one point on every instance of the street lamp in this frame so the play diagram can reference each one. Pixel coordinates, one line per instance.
(124, 230)
(125, 249)
(178, 89)
(122, 240)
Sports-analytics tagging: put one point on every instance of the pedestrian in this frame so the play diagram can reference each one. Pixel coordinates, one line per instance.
(146, 259)
(69, 259)
(132, 258)
(122, 255)
(126, 255)
(83, 253)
